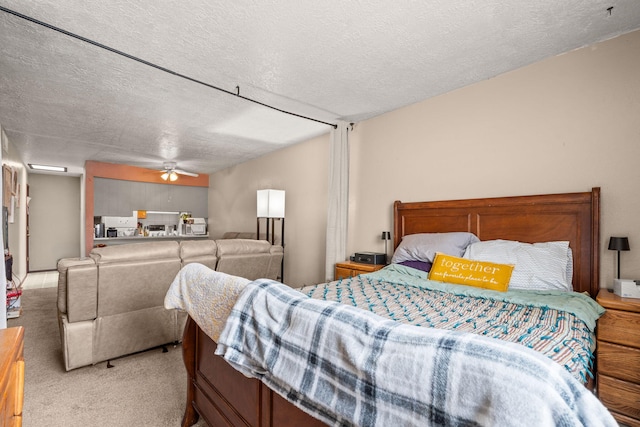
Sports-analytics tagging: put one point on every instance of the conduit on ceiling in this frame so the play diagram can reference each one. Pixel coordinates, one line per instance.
(156, 66)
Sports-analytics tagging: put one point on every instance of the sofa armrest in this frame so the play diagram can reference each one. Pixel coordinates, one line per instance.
(78, 288)
(64, 264)
(275, 264)
(276, 249)
(82, 293)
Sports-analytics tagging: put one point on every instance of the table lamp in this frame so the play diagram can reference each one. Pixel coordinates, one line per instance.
(386, 236)
(619, 244)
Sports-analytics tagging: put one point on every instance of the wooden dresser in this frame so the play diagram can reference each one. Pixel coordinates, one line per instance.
(618, 357)
(12, 374)
(347, 269)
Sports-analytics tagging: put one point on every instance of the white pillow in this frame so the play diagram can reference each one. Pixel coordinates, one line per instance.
(542, 266)
(423, 246)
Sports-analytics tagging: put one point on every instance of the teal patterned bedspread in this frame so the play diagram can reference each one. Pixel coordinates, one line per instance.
(558, 324)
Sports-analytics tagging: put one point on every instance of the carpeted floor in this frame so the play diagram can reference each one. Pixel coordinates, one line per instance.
(145, 389)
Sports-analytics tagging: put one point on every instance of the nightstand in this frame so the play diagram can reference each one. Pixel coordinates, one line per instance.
(618, 357)
(347, 269)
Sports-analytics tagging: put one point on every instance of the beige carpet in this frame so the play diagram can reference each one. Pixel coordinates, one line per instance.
(145, 389)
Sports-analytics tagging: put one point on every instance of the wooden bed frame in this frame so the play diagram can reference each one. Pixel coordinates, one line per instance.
(224, 397)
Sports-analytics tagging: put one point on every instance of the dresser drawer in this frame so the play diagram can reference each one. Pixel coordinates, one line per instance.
(620, 327)
(619, 362)
(619, 396)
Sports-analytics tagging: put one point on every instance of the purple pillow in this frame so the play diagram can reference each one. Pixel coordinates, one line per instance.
(418, 265)
(424, 246)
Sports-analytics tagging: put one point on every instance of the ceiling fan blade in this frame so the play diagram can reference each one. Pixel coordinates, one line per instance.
(181, 172)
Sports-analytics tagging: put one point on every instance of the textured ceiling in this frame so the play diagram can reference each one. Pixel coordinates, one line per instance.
(64, 101)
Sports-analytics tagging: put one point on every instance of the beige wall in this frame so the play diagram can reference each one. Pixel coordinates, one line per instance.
(565, 124)
(301, 171)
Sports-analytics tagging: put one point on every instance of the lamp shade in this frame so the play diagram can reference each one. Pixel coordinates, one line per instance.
(619, 244)
(385, 235)
(270, 204)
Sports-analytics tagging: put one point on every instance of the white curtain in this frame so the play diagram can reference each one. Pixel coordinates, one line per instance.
(338, 199)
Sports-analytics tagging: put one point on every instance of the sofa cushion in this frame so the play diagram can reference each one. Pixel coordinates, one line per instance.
(136, 285)
(239, 235)
(242, 247)
(251, 259)
(200, 251)
(136, 252)
(250, 267)
(249, 235)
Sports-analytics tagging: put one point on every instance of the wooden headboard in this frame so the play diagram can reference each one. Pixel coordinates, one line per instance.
(570, 216)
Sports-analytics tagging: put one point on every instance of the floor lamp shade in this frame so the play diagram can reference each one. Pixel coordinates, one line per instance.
(270, 204)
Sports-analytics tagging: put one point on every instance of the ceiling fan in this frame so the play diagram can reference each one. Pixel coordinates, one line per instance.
(169, 172)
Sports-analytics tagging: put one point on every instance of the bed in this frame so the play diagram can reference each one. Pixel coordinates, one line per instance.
(221, 395)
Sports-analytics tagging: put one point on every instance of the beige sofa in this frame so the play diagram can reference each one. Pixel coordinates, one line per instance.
(112, 303)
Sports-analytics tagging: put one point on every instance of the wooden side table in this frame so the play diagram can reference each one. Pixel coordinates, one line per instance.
(618, 357)
(11, 375)
(347, 269)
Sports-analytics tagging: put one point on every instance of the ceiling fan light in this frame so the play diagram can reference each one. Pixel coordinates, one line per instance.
(173, 176)
(165, 176)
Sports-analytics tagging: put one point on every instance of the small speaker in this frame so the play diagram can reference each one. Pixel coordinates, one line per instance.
(370, 258)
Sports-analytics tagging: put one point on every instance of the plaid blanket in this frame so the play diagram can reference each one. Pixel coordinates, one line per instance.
(347, 366)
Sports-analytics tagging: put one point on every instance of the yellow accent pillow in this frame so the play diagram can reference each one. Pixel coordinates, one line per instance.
(488, 275)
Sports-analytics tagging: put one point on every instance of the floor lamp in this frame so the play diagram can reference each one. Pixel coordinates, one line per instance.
(270, 205)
